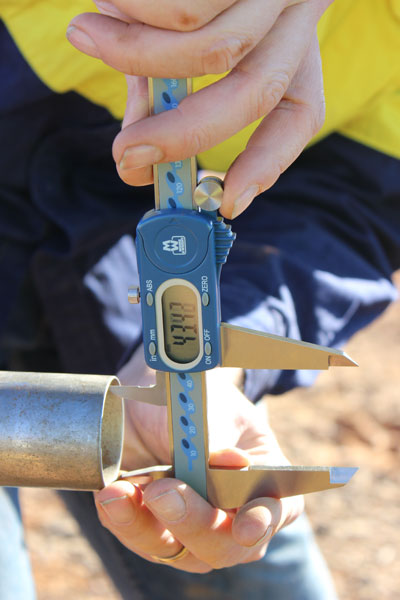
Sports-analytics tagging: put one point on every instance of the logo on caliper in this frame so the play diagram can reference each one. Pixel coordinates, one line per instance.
(176, 245)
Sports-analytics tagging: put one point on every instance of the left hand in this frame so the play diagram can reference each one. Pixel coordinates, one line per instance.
(271, 50)
(158, 519)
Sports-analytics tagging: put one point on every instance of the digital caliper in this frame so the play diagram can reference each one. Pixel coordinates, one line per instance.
(181, 247)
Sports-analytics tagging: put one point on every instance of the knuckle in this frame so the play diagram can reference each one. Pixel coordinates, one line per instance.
(263, 95)
(272, 92)
(185, 20)
(225, 54)
(313, 116)
(195, 140)
(216, 60)
(275, 169)
(131, 37)
(279, 166)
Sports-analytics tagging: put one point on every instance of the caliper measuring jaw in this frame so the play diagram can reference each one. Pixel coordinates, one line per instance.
(181, 247)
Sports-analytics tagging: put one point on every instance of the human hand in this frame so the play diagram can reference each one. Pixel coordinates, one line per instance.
(156, 520)
(271, 50)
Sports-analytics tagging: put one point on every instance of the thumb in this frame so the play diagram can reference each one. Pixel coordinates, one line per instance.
(230, 458)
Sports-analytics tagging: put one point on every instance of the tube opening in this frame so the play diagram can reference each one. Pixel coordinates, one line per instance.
(112, 433)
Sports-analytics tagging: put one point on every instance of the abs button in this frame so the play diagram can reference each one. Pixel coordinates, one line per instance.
(149, 299)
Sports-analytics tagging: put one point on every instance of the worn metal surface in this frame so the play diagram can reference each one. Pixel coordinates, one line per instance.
(58, 430)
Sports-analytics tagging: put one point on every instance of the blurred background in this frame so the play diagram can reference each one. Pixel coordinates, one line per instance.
(351, 417)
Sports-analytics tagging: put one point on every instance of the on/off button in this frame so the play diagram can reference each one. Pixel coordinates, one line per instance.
(207, 348)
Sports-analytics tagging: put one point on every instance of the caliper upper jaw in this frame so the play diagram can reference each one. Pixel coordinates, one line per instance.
(263, 351)
(268, 351)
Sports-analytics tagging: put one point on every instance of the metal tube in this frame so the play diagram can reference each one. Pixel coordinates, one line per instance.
(60, 431)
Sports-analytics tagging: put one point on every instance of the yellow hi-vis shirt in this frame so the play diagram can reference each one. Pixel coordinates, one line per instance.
(360, 48)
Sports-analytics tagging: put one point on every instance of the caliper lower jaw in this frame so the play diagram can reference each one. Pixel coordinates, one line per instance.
(227, 488)
(231, 488)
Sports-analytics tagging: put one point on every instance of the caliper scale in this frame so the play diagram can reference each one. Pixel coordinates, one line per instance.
(181, 247)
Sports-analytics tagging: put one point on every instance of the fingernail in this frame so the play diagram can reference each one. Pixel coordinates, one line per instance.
(254, 527)
(82, 41)
(264, 538)
(169, 506)
(119, 510)
(109, 8)
(140, 156)
(243, 201)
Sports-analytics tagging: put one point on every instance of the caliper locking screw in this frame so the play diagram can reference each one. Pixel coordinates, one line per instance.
(133, 295)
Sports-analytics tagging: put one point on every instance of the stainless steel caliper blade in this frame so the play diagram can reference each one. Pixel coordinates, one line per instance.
(228, 488)
(268, 351)
(231, 488)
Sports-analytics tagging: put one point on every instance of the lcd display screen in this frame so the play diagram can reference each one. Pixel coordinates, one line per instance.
(181, 324)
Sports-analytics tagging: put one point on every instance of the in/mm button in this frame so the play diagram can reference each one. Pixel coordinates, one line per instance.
(152, 348)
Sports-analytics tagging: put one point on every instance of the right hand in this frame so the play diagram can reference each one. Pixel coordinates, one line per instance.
(271, 50)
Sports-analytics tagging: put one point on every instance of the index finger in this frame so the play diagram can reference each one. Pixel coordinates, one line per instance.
(177, 15)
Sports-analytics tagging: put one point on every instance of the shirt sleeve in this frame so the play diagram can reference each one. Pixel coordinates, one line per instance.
(314, 255)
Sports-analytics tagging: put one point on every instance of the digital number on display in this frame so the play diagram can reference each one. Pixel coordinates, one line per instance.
(180, 324)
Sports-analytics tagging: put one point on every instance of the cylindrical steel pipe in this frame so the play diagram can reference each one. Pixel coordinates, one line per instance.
(59, 430)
